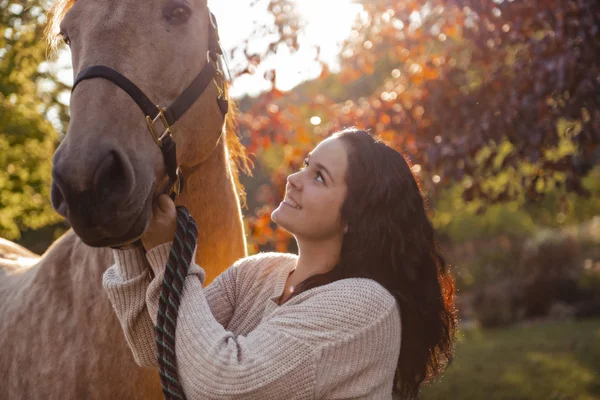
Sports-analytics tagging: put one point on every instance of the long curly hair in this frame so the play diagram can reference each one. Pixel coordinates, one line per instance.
(391, 240)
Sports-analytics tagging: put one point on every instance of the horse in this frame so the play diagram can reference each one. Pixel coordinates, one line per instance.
(59, 337)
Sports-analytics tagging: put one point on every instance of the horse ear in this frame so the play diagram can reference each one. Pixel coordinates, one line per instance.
(213, 35)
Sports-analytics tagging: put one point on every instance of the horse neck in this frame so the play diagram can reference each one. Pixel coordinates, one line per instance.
(210, 196)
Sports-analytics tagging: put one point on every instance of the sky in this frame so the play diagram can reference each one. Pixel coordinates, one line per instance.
(328, 23)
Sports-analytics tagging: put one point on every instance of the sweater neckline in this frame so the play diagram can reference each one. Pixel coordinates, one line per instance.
(282, 276)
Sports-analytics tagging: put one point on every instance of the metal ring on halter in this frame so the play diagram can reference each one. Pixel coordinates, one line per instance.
(177, 186)
(174, 188)
(212, 57)
(219, 86)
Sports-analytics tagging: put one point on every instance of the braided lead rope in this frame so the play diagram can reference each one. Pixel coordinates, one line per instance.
(176, 271)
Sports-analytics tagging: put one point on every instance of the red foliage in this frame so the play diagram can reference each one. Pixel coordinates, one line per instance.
(442, 79)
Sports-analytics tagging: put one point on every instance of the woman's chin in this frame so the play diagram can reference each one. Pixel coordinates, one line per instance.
(278, 216)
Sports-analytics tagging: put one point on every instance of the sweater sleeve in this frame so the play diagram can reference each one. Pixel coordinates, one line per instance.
(276, 360)
(220, 294)
(126, 283)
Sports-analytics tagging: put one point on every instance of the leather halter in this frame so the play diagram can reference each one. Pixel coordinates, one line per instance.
(167, 116)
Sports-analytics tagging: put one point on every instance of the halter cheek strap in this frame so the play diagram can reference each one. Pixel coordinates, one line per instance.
(157, 115)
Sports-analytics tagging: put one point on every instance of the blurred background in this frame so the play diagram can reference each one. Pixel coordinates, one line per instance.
(495, 103)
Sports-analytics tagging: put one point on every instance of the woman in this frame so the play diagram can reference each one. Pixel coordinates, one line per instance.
(328, 323)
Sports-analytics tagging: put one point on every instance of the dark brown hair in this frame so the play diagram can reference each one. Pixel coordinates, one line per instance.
(391, 240)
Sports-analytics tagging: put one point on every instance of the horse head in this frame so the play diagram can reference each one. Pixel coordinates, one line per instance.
(108, 168)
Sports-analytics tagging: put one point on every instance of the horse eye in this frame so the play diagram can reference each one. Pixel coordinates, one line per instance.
(178, 14)
(65, 38)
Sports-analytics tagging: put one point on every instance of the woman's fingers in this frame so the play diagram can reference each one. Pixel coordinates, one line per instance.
(164, 222)
(166, 205)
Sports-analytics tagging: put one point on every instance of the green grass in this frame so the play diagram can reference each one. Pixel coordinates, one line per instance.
(544, 360)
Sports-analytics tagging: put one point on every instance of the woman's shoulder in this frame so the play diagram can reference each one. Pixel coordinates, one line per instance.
(360, 293)
(263, 264)
(265, 259)
(363, 300)
(352, 305)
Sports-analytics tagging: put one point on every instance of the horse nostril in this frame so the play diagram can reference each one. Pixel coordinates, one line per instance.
(111, 176)
(57, 196)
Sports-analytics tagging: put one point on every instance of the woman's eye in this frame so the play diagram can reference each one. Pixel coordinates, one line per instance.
(319, 177)
(65, 38)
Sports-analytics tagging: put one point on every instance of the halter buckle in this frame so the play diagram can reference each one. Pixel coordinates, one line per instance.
(151, 121)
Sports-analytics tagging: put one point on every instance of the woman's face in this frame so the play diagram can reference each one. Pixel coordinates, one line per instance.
(315, 194)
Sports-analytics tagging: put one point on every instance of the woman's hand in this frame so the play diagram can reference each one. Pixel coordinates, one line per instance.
(164, 222)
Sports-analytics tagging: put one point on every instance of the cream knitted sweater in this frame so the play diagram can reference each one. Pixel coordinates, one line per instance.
(233, 341)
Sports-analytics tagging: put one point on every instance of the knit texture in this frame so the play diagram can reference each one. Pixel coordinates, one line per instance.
(233, 341)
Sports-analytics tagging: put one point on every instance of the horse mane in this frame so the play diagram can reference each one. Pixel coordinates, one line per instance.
(238, 159)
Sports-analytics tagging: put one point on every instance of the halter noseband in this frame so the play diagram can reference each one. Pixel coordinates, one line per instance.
(157, 115)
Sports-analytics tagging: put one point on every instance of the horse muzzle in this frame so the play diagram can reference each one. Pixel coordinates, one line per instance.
(104, 207)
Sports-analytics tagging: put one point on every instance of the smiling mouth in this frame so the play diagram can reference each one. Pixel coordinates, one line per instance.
(291, 203)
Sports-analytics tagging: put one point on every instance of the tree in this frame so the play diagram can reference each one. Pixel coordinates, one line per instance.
(27, 137)
(501, 97)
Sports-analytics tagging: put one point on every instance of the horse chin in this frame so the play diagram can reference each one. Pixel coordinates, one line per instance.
(133, 234)
(98, 237)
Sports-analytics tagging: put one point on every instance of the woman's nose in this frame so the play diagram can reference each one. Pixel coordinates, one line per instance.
(293, 180)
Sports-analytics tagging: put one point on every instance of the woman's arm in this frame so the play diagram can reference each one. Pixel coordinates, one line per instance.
(220, 294)
(212, 362)
(126, 283)
(279, 359)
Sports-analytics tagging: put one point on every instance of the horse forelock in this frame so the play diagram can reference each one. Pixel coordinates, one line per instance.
(55, 15)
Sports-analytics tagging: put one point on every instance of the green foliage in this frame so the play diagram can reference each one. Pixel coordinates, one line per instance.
(27, 138)
(486, 240)
(461, 221)
(550, 360)
(468, 220)
(467, 223)
(557, 208)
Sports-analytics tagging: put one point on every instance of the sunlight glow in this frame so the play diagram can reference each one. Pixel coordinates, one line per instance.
(327, 24)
